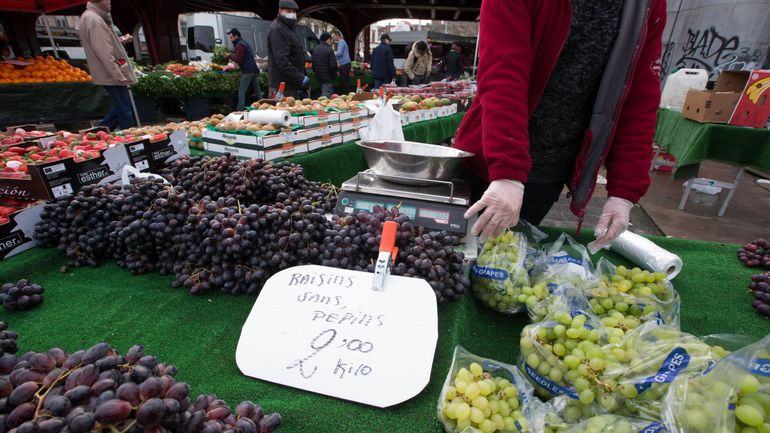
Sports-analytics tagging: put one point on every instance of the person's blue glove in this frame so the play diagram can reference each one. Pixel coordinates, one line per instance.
(305, 81)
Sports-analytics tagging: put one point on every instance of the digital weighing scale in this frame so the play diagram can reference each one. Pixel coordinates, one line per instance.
(433, 204)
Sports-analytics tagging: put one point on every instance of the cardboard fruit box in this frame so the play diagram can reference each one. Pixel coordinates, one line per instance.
(17, 235)
(50, 180)
(753, 108)
(739, 98)
(151, 156)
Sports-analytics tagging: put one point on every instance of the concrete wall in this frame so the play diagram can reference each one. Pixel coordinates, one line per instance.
(716, 35)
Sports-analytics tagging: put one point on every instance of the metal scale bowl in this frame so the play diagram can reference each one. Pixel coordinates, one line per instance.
(416, 177)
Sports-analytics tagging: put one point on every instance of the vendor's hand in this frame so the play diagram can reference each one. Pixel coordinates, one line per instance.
(501, 204)
(612, 222)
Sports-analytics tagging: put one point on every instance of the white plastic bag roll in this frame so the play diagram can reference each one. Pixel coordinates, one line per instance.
(646, 254)
(274, 117)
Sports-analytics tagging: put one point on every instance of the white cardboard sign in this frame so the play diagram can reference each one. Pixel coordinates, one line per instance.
(325, 330)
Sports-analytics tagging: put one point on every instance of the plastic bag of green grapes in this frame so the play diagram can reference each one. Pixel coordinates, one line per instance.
(559, 414)
(484, 396)
(567, 262)
(616, 424)
(647, 296)
(500, 273)
(562, 355)
(731, 397)
(638, 370)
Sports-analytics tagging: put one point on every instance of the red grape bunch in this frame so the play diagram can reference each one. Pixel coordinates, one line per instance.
(7, 340)
(760, 288)
(100, 391)
(21, 295)
(755, 254)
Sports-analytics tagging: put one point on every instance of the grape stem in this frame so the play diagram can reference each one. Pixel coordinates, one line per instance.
(41, 398)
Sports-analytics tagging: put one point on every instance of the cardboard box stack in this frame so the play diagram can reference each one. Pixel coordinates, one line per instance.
(739, 98)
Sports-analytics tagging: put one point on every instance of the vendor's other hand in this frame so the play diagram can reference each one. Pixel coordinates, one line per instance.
(501, 204)
(612, 222)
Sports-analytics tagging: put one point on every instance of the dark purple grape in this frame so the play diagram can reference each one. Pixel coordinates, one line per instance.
(246, 425)
(23, 393)
(20, 414)
(764, 309)
(78, 393)
(27, 427)
(269, 423)
(150, 388)
(112, 411)
(57, 405)
(54, 425)
(82, 423)
(129, 391)
(151, 412)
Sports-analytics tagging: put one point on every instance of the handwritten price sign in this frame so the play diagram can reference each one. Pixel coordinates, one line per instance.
(326, 331)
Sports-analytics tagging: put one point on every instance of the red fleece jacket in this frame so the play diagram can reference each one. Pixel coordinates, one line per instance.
(519, 44)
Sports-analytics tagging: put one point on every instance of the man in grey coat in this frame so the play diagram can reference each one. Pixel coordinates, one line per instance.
(285, 55)
(108, 63)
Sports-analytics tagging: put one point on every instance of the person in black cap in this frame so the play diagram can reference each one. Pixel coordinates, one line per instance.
(383, 69)
(243, 55)
(325, 64)
(285, 55)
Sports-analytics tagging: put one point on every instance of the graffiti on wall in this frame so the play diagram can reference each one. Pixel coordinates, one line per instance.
(708, 49)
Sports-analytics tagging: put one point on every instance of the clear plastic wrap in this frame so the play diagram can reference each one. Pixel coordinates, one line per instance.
(553, 351)
(614, 424)
(641, 367)
(564, 263)
(499, 273)
(634, 292)
(732, 396)
(567, 262)
(484, 396)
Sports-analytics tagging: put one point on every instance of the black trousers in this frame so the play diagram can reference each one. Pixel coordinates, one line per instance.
(538, 197)
(345, 79)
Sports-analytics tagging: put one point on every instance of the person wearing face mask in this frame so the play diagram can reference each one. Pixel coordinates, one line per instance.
(285, 55)
(107, 62)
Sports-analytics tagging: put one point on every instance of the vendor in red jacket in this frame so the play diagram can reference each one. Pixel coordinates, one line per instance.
(563, 87)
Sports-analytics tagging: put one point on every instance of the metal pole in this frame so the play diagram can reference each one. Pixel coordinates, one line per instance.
(133, 105)
(50, 37)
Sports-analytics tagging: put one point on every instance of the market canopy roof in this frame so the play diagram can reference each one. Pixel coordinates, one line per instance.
(44, 6)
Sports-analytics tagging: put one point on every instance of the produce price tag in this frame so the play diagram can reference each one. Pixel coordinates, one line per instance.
(325, 330)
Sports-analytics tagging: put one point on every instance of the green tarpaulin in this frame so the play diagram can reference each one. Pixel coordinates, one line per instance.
(199, 334)
(692, 142)
(52, 102)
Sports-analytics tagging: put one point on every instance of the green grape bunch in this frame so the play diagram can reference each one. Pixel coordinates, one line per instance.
(732, 397)
(483, 396)
(645, 295)
(616, 424)
(564, 355)
(647, 361)
(499, 274)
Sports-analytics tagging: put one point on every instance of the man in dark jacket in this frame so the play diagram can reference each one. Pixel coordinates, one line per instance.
(452, 67)
(285, 55)
(244, 57)
(382, 65)
(325, 64)
(577, 88)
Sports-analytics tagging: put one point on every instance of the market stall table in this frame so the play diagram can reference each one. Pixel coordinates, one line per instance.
(691, 142)
(199, 334)
(339, 163)
(52, 102)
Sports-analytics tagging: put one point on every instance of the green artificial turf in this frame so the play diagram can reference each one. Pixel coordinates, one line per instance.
(199, 334)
